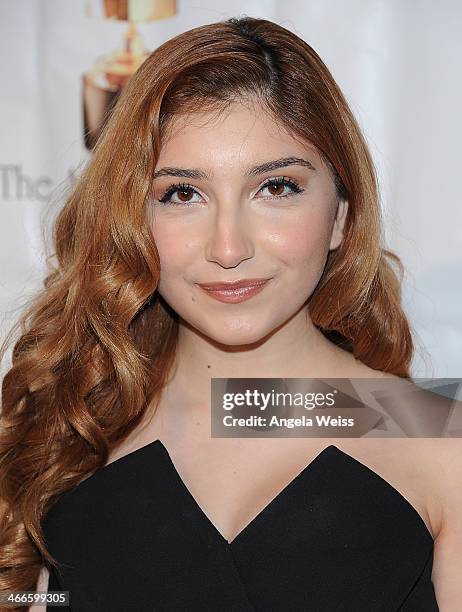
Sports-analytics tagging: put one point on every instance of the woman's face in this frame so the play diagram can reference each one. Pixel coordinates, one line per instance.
(225, 217)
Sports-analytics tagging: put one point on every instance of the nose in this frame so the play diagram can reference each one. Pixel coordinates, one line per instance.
(230, 241)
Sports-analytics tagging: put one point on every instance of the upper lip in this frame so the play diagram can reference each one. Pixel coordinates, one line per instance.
(237, 284)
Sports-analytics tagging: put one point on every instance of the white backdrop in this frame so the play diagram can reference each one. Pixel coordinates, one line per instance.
(397, 62)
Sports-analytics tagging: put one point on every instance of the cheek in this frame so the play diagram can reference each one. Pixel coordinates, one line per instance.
(302, 241)
(171, 244)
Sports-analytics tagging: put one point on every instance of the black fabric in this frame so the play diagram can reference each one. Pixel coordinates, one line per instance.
(338, 538)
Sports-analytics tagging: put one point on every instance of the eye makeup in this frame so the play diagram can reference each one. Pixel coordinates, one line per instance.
(184, 188)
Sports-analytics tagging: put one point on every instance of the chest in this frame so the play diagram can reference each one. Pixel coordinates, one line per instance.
(181, 524)
(234, 482)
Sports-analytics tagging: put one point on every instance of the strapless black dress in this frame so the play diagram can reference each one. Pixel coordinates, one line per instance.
(337, 538)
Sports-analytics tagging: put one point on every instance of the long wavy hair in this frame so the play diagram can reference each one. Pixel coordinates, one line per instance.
(97, 342)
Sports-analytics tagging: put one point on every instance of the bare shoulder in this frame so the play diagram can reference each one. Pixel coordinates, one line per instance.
(439, 461)
(42, 585)
(444, 464)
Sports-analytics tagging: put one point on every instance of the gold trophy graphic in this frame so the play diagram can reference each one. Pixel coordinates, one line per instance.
(102, 84)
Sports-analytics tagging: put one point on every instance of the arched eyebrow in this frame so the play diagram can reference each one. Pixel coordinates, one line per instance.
(194, 173)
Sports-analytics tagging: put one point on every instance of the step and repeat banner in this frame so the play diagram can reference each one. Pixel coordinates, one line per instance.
(65, 63)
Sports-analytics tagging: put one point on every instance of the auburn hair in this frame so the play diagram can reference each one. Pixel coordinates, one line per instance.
(96, 343)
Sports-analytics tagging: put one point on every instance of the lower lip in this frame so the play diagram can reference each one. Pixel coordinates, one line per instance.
(234, 296)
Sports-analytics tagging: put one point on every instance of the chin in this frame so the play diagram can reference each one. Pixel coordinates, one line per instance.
(235, 333)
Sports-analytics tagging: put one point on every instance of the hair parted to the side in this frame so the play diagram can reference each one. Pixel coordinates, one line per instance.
(97, 342)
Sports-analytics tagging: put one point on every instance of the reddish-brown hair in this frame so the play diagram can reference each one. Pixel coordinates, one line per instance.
(97, 342)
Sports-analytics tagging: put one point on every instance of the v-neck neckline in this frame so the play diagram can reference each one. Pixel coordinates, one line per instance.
(324, 453)
(328, 451)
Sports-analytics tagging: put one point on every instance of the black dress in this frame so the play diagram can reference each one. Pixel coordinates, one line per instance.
(337, 538)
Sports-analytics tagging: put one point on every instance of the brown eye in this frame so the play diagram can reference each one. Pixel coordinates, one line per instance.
(276, 188)
(184, 193)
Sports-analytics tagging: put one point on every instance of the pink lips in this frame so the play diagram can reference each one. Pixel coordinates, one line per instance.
(235, 292)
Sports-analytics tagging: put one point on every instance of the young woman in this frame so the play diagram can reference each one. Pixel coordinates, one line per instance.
(231, 158)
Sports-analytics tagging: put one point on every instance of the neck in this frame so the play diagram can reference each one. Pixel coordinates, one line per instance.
(296, 350)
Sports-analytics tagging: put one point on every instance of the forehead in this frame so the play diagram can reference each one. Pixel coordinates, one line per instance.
(239, 132)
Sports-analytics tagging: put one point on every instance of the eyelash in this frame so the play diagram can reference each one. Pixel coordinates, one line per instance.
(282, 180)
